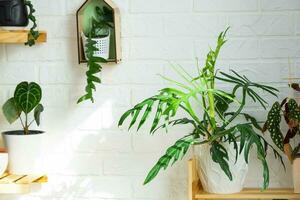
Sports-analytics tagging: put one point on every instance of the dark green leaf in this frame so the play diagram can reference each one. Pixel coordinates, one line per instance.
(219, 155)
(11, 111)
(37, 113)
(27, 96)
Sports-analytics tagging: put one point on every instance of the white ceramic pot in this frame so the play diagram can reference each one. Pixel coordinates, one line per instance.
(3, 162)
(25, 152)
(212, 177)
(296, 175)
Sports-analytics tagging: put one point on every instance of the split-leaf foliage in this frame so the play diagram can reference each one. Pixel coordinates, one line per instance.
(198, 94)
(290, 111)
(27, 98)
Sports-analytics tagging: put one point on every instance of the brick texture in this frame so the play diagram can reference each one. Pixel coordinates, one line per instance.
(90, 157)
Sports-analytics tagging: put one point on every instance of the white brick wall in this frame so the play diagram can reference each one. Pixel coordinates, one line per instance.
(89, 156)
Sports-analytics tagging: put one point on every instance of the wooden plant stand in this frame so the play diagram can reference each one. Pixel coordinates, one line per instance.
(19, 184)
(196, 192)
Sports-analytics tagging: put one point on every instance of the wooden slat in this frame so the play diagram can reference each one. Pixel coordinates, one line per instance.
(196, 192)
(14, 188)
(10, 179)
(28, 179)
(19, 36)
(194, 184)
(253, 194)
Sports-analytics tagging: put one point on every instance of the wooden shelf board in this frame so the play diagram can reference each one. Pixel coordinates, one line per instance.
(19, 184)
(19, 36)
(252, 194)
(196, 192)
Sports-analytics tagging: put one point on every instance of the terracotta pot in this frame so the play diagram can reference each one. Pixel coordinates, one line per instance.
(296, 175)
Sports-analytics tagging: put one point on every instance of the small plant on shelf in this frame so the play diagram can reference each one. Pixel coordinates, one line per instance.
(26, 99)
(215, 128)
(25, 147)
(96, 38)
(289, 110)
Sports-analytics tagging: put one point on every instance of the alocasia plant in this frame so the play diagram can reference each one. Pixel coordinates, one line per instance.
(215, 126)
(290, 110)
(27, 97)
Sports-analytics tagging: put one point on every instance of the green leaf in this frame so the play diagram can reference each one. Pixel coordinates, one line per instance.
(37, 113)
(179, 149)
(27, 96)
(11, 111)
(93, 69)
(219, 155)
(273, 125)
(248, 139)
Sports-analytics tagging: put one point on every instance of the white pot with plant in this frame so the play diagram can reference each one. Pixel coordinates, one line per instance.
(288, 111)
(221, 145)
(99, 32)
(25, 147)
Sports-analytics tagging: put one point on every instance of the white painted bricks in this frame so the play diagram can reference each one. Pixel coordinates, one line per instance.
(90, 157)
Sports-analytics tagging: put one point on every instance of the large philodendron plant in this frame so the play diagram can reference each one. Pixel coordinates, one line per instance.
(290, 111)
(27, 97)
(215, 126)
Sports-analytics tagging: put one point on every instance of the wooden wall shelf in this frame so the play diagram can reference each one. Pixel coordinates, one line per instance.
(195, 191)
(19, 36)
(19, 184)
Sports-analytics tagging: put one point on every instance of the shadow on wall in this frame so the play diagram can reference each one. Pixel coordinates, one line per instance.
(90, 157)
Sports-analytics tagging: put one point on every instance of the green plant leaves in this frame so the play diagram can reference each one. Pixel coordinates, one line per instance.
(248, 139)
(220, 155)
(37, 113)
(173, 154)
(198, 96)
(28, 96)
(11, 111)
(273, 125)
(93, 69)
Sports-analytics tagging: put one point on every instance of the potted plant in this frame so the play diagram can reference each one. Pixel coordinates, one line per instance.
(96, 47)
(289, 110)
(99, 31)
(222, 147)
(17, 15)
(25, 147)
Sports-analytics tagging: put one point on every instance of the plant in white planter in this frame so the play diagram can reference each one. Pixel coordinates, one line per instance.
(96, 47)
(289, 110)
(25, 147)
(222, 147)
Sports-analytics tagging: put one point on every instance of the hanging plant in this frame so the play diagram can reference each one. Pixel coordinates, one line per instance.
(99, 33)
(33, 34)
(93, 68)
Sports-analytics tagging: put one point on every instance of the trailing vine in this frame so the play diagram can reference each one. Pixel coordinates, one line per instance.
(99, 28)
(33, 34)
(93, 68)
